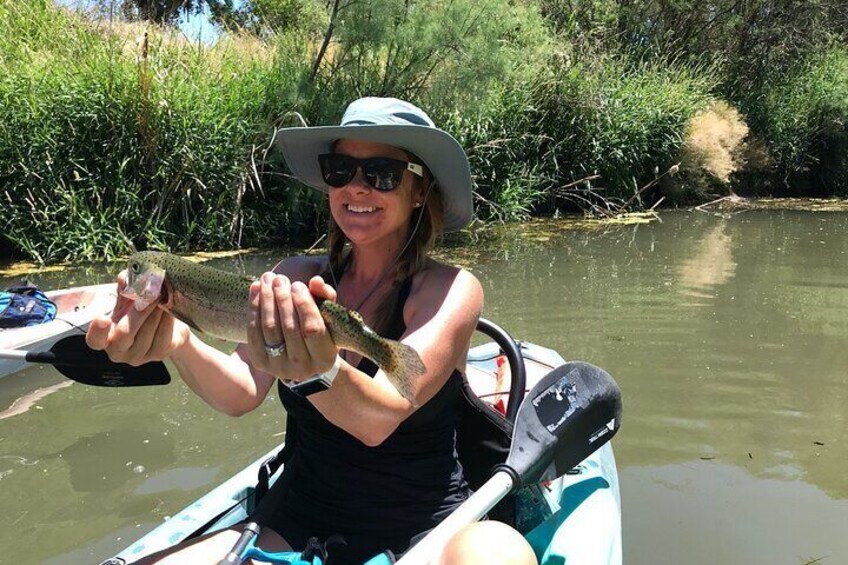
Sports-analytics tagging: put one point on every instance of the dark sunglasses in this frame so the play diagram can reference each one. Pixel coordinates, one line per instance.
(382, 173)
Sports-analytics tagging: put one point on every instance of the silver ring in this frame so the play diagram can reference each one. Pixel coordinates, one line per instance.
(275, 350)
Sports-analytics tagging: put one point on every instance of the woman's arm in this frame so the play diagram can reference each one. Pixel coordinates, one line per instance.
(441, 315)
(225, 382)
(130, 336)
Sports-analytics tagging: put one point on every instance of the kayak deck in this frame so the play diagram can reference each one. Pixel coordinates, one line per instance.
(578, 515)
(75, 308)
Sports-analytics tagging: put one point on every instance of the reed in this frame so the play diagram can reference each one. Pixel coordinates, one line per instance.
(116, 134)
(111, 134)
(799, 117)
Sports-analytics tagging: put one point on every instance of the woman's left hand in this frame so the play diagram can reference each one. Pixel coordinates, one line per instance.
(286, 317)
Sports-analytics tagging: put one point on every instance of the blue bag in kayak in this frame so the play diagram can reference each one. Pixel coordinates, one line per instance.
(25, 305)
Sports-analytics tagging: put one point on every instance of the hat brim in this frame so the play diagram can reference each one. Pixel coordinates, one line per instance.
(439, 150)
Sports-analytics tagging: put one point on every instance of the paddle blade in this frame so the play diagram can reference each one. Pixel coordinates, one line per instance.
(74, 359)
(570, 413)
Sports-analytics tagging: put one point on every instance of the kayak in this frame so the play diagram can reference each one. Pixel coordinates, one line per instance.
(574, 519)
(75, 308)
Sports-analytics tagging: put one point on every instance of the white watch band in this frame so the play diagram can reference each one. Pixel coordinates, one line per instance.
(330, 375)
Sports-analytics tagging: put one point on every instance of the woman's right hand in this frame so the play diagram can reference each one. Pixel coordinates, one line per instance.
(136, 337)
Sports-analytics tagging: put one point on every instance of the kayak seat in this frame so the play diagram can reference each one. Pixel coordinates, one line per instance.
(483, 437)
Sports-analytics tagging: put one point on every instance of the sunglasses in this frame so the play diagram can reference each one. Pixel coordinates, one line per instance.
(382, 173)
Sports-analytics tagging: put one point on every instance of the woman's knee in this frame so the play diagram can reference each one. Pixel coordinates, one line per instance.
(488, 542)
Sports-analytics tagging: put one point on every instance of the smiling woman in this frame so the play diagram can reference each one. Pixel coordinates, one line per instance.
(364, 462)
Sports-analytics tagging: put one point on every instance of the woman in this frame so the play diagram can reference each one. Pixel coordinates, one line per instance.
(368, 464)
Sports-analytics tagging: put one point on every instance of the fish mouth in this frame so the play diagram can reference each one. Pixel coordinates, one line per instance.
(129, 292)
(147, 289)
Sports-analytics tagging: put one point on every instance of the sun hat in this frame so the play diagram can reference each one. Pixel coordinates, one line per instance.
(392, 122)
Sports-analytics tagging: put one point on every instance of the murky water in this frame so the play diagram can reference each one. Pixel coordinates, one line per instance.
(728, 336)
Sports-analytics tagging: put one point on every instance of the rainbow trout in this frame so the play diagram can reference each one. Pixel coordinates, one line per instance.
(215, 302)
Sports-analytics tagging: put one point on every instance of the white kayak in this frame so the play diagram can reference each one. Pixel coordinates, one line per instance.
(75, 308)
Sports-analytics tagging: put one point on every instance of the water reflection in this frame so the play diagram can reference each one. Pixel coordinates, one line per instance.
(710, 265)
(723, 512)
(31, 399)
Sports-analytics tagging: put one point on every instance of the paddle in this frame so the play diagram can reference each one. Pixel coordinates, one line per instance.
(570, 413)
(74, 359)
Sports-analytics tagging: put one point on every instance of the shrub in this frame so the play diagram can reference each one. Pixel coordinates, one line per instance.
(801, 117)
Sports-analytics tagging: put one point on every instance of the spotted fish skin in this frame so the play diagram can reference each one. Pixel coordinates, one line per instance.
(215, 302)
(401, 363)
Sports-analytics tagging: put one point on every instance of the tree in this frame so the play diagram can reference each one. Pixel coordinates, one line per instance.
(161, 11)
(262, 17)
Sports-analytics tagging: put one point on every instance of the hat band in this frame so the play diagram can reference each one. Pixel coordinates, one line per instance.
(397, 119)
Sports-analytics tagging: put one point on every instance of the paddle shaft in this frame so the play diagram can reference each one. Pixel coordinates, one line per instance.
(483, 500)
(50, 358)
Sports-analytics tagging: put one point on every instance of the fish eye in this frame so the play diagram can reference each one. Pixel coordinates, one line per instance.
(134, 267)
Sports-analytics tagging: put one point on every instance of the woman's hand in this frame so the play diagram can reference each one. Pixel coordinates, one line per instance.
(286, 317)
(136, 337)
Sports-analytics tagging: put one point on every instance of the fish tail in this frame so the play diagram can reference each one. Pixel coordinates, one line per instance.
(402, 366)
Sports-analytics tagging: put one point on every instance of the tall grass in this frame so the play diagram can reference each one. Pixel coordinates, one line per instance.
(130, 133)
(801, 118)
(607, 121)
(115, 134)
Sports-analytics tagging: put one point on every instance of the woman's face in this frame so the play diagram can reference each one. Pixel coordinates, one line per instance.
(365, 214)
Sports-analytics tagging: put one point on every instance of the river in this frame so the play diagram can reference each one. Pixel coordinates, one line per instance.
(728, 335)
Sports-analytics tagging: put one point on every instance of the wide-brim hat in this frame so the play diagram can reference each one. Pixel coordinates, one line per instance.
(392, 122)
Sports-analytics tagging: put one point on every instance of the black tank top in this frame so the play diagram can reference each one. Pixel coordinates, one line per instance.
(376, 497)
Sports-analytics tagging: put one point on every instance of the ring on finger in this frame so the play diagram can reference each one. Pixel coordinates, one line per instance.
(275, 350)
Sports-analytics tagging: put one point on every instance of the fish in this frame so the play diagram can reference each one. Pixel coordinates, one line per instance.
(216, 303)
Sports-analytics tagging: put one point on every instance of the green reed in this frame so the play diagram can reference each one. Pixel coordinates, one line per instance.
(582, 135)
(111, 134)
(115, 135)
(800, 116)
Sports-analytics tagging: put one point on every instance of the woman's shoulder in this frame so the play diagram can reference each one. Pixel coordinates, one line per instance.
(436, 270)
(438, 279)
(302, 267)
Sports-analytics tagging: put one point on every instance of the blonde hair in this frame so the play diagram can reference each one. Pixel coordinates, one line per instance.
(413, 258)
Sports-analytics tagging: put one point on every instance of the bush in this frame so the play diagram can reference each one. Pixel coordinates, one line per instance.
(111, 134)
(605, 119)
(801, 118)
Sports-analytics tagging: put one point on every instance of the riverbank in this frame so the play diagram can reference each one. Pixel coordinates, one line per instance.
(538, 229)
(119, 133)
(737, 203)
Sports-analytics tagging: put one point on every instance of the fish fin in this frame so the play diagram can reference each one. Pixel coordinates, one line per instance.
(403, 365)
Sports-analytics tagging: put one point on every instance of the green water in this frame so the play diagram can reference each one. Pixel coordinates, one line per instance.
(728, 337)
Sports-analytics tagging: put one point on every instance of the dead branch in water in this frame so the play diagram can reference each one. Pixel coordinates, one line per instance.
(587, 197)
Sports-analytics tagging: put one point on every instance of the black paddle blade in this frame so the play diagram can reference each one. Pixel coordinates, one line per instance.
(570, 413)
(74, 359)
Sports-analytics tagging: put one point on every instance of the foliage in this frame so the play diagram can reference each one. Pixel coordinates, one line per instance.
(627, 120)
(801, 116)
(156, 11)
(714, 145)
(446, 53)
(266, 17)
(115, 131)
(105, 140)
